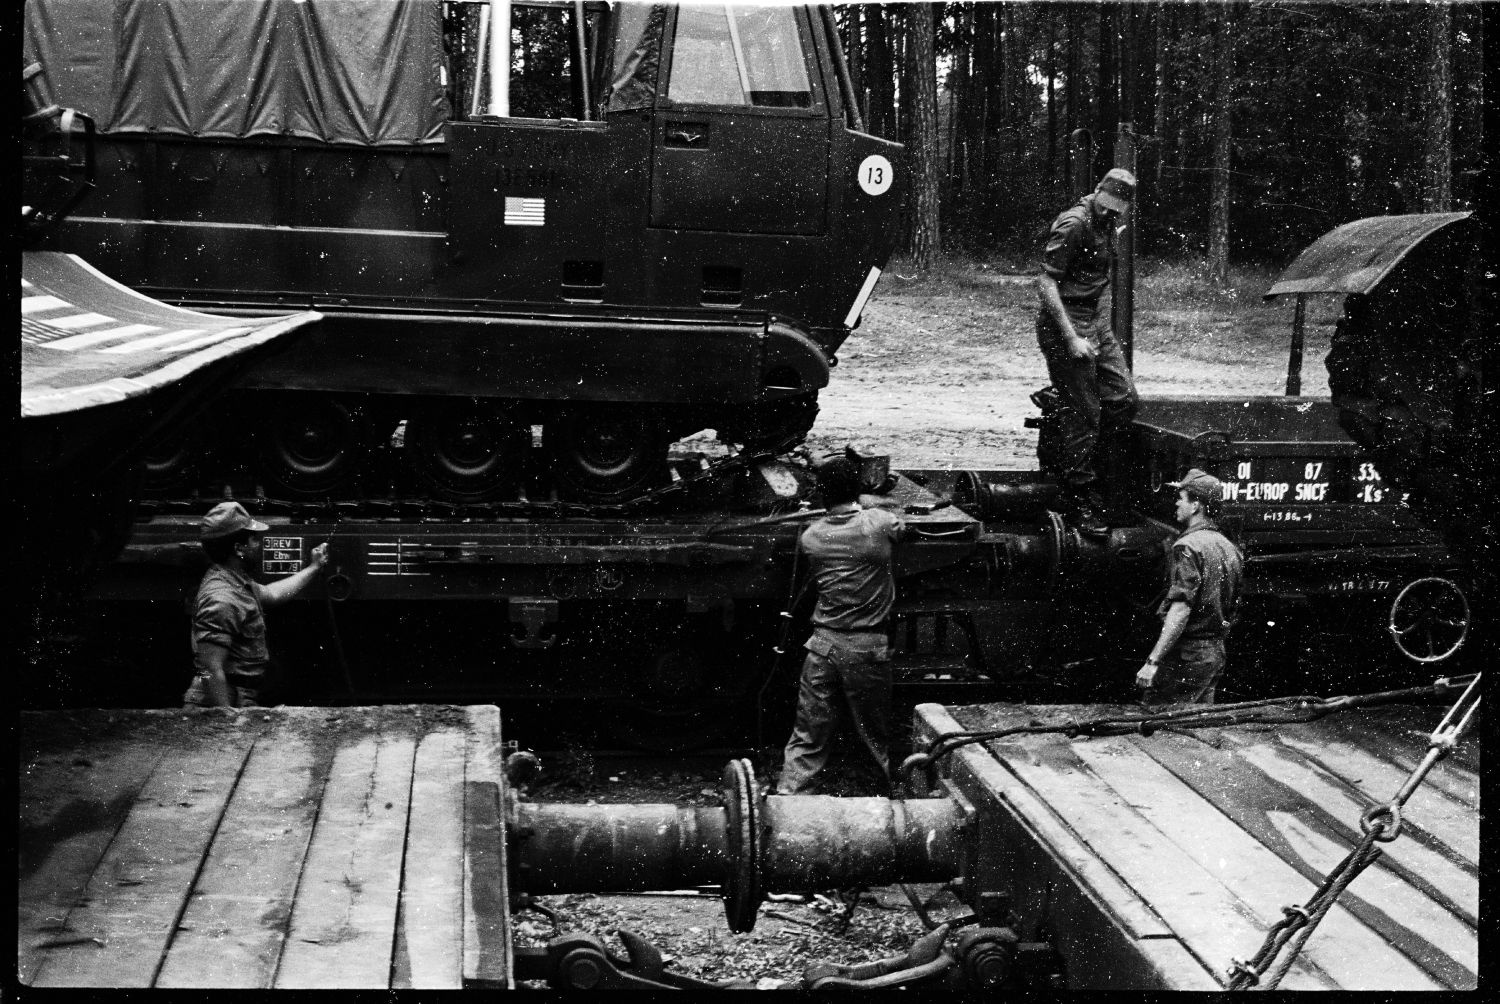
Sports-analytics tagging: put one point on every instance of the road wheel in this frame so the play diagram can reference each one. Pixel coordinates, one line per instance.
(467, 451)
(175, 462)
(311, 446)
(607, 452)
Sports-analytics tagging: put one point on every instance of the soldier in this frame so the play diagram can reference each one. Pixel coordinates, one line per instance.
(1084, 361)
(1203, 585)
(229, 629)
(847, 673)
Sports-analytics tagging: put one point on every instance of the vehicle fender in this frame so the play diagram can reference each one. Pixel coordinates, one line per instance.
(792, 363)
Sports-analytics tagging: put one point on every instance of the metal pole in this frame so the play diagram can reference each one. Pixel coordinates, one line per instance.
(581, 72)
(500, 58)
(484, 48)
(1082, 181)
(846, 84)
(1123, 289)
(1294, 362)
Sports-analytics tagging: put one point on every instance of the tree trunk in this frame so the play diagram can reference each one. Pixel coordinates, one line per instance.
(963, 101)
(1074, 85)
(1108, 91)
(881, 117)
(1218, 216)
(926, 235)
(1051, 16)
(1437, 176)
(1163, 94)
(854, 56)
(1356, 145)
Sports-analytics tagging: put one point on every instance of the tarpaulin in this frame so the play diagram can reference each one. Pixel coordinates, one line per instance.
(86, 340)
(638, 39)
(341, 71)
(1355, 257)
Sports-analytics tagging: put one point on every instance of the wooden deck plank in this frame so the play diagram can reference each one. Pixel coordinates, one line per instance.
(1299, 830)
(1211, 923)
(428, 955)
(1353, 954)
(135, 896)
(487, 936)
(1399, 735)
(1422, 866)
(71, 801)
(235, 923)
(344, 919)
(1444, 819)
(1060, 889)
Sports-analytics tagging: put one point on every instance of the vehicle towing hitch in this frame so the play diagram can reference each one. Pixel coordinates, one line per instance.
(578, 961)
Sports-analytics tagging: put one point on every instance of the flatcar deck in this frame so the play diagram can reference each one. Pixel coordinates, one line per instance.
(1153, 861)
(277, 847)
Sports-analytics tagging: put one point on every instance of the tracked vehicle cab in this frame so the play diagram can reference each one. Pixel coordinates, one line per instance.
(594, 227)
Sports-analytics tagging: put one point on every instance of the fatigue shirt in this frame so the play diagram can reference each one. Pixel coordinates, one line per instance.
(1078, 253)
(849, 553)
(228, 614)
(1204, 573)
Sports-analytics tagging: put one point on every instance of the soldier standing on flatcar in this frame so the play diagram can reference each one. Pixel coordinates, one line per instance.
(846, 677)
(1203, 586)
(1085, 363)
(230, 657)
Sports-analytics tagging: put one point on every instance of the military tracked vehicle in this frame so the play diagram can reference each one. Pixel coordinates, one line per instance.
(548, 239)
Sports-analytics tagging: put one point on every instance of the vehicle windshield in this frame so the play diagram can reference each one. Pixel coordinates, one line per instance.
(731, 55)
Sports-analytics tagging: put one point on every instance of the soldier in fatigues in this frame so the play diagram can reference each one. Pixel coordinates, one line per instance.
(1203, 586)
(1084, 361)
(230, 658)
(846, 677)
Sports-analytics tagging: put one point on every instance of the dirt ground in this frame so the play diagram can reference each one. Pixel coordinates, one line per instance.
(940, 371)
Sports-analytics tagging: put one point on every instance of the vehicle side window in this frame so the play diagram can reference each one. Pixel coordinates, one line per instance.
(730, 55)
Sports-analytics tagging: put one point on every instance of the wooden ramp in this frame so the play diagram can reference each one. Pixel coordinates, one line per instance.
(259, 848)
(1154, 861)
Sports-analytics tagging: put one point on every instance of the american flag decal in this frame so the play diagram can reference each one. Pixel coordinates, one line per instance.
(525, 212)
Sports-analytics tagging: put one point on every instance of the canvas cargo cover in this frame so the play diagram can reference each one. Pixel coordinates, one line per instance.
(86, 340)
(1355, 257)
(342, 71)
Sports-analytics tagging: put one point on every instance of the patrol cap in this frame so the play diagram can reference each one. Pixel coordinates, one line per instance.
(838, 480)
(228, 518)
(1200, 485)
(1116, 190)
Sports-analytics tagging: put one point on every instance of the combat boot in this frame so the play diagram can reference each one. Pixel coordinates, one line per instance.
(1089, 522)
(1080, 511)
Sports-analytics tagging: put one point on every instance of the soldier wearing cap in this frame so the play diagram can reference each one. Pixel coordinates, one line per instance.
(1084, 361)
(1203, 586)
(846, 677)
(229, 628)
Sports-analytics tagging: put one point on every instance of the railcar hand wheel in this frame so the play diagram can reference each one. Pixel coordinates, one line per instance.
(467, 451)
(607, 452)
(1429, 619)
(312, 445)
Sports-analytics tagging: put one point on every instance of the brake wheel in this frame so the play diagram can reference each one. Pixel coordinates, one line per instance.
(1429, 619)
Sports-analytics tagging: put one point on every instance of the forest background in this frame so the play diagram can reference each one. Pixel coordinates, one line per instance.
(1258, 125)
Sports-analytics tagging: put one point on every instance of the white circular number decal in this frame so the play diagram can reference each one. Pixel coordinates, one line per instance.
(875, 175)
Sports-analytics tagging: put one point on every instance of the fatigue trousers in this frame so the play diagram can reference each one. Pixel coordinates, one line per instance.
(847, 690)
(1189, 674)
(1098, 398)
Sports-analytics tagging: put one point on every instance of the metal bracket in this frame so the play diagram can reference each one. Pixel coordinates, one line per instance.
(532, 613)
(580, 962)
